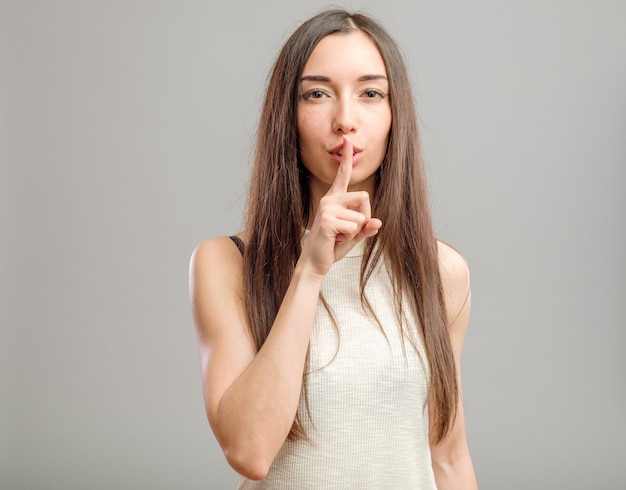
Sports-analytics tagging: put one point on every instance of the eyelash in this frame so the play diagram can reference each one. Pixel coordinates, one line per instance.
(309, 95)
(377, 94)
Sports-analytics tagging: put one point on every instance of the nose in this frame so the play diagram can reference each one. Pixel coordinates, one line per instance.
(344, 120)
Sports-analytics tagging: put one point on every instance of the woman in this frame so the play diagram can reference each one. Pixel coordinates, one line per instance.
(329, 324)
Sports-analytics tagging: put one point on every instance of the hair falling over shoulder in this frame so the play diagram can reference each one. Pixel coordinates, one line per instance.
(279, 206)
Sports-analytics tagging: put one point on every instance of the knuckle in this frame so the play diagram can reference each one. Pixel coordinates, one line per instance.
(353, 227)
(325, 220)
(325, 203)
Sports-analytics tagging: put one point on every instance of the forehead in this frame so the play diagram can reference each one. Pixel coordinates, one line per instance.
(345, 54)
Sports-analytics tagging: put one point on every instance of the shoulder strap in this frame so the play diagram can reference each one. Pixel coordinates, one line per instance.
(237, 241)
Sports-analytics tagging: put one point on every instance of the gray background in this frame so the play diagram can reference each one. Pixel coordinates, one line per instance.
(126, 130)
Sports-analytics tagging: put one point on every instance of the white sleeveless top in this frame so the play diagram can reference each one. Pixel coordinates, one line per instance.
(367, 399)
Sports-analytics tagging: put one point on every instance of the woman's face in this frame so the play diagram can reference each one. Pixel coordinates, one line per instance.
(343, 91)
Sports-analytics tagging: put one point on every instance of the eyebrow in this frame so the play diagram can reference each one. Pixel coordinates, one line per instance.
(321, 78)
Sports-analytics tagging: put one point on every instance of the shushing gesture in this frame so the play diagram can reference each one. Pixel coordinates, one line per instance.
(342, 220)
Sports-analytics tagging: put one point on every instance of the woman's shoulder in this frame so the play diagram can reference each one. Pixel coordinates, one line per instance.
(219, 248)
(452, 261)
(455, 278)
(216, 259)
(215, 284)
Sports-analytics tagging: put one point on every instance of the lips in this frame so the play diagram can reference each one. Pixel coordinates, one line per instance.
(337, 152)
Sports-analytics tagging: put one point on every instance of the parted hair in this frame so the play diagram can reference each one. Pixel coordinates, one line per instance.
(279, 208)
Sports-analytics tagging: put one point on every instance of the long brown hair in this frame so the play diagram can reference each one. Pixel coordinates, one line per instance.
(279, 206)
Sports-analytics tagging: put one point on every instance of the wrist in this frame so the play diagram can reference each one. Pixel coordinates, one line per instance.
(305, 272)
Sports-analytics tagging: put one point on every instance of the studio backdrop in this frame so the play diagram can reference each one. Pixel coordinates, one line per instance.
(126, 130)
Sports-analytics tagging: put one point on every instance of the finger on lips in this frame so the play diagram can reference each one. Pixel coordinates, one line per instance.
(356, 205)
(344, 172)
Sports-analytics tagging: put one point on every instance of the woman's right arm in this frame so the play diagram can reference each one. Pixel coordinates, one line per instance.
(252, 397)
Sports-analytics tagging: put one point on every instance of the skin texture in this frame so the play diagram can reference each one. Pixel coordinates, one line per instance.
(252, 397)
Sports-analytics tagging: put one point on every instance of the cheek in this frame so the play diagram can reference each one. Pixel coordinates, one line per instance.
(307, 125)
(380, 132)
(301, 124)
(386, 122)
(385, 129)
(378, 124)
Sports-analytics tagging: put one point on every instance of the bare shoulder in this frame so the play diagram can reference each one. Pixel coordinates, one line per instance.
(215, 259)
(219, 251)
(215, 283)
(455, 278)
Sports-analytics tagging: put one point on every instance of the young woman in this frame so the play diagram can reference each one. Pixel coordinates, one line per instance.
(330, 329)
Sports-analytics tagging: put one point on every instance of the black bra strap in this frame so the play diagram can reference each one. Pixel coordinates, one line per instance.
(238, 241)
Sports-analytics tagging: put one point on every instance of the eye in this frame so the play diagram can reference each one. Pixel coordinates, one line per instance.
(314, 94)
(374, 94)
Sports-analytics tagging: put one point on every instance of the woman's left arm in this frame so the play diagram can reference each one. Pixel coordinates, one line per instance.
(451, 459)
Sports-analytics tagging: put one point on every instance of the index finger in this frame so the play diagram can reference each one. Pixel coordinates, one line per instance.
(344, 172)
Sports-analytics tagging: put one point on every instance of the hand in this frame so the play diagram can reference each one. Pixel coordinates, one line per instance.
(343, 218)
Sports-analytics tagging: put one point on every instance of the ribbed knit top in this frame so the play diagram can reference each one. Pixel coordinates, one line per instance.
(367, 397)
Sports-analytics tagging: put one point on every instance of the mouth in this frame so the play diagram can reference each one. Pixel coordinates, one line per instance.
(338, 150)
(337, 154)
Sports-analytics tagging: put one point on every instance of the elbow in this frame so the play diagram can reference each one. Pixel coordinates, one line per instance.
(242, 453)
(247, 464)
(248, 451)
